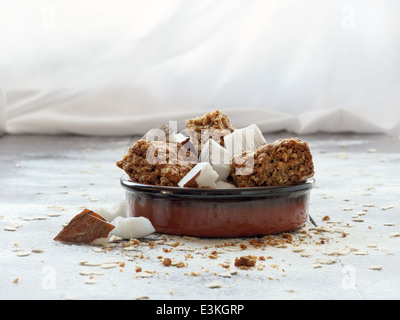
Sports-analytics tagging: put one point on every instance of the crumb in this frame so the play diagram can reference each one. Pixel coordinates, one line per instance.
(166, 262)
(245, 262)
(180, 265)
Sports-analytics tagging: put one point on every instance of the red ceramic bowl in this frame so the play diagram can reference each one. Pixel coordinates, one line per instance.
(241, 212)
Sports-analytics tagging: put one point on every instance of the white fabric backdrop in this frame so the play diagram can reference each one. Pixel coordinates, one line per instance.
(2, 114)
(119, 67)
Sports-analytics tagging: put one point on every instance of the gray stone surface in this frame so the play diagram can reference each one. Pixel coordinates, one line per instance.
(46, 180)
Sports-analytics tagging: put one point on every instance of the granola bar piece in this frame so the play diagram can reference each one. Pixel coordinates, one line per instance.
(157, 162)
(283, 162)
(213, 125)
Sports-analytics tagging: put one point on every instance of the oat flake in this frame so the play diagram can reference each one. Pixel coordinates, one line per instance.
(376, 268)
(23, 253)
(109, 265)
(90, 263)
(213, 285)
(327, 261)
(144, 274)
(92, 281)
(10, 229)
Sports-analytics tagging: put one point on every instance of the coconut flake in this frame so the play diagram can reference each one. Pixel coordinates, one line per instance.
(225, 185)
(248, 138)
(132, 227)
(118, 209)
(181, 138)
(219, 158)
(201, 176)
(86, 227)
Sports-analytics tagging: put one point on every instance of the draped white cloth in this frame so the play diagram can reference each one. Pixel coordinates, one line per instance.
(2, 114)
(120, 67)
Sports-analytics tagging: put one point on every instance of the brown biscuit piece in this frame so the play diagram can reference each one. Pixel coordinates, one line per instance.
(213, 125)
(157, 162)
(284, 162)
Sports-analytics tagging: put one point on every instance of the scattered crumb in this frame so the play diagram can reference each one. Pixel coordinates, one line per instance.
(245, 262)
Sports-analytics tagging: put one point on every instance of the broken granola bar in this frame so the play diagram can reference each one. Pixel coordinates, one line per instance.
(213, 125)
(157, 162)
(284, 162)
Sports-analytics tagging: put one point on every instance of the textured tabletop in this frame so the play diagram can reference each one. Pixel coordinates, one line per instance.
(352, 253)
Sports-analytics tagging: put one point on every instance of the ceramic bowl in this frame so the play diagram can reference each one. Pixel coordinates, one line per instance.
(240, 212)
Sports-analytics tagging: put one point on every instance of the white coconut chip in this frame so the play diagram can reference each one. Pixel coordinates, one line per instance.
(224, 185)
(201, 176)
(181, 138)
(110, 213)
(132, 227)
(100, 241)
(219, 158)
(248, 138)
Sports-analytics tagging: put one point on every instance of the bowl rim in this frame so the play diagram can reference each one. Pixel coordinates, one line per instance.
(131, 186)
